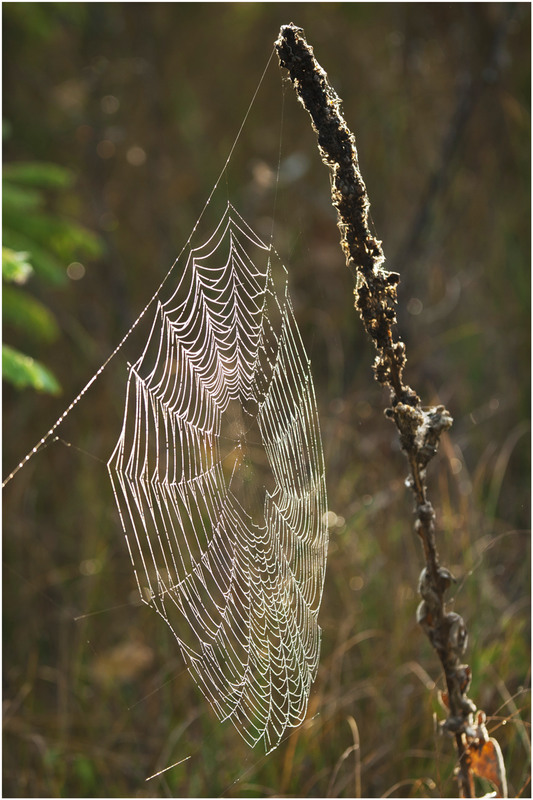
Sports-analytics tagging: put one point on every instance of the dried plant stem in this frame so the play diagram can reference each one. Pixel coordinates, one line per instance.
(419, 429)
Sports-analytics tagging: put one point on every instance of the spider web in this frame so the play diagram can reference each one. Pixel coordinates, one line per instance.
(218, 475)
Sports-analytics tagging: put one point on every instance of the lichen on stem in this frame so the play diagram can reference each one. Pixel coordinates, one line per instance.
(419, 428)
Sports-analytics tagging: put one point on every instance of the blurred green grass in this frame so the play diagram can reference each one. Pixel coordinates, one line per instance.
(96, 695)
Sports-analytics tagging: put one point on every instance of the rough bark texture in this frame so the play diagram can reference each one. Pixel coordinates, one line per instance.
(419, 428)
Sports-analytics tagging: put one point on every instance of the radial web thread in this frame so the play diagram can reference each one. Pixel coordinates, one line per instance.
(218, 474)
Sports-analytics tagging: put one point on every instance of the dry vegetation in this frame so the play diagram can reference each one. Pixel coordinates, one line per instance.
(96, 694)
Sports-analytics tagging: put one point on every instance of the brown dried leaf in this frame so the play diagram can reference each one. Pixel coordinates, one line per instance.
(486, 761)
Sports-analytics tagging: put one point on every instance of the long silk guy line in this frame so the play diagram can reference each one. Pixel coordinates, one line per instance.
(40, 444)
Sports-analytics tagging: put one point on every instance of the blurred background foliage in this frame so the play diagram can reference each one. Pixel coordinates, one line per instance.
(49, 242)
(120, 117)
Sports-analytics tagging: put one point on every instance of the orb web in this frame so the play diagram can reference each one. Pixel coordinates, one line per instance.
(218, 475)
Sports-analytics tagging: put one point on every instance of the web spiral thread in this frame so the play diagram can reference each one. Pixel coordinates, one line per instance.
(218, 475)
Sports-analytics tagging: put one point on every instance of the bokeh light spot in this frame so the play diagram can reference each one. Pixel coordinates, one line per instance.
(136, 156)
(110, 104)
(76, 271)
